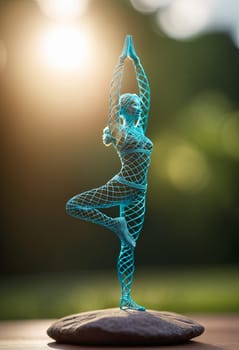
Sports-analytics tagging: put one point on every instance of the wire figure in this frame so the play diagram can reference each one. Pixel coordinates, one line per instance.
(127, 124)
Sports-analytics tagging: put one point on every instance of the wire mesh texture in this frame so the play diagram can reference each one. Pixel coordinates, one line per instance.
(127, 124)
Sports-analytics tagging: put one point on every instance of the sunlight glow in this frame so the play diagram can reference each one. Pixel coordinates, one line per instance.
(63, 9)
(65, 48)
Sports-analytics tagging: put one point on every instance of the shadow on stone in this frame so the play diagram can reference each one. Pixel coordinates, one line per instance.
(190, 345)
(203, 346)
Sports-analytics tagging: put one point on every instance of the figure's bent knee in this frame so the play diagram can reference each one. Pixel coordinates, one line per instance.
(72, 206)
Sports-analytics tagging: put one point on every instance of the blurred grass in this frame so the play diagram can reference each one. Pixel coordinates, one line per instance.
(184, 290)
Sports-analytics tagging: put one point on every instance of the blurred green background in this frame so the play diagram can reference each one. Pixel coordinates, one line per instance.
(54, 106)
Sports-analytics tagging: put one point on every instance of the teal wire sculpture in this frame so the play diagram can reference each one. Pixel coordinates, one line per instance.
(127, 124)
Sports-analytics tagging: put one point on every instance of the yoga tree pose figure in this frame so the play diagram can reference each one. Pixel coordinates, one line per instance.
(127, 124)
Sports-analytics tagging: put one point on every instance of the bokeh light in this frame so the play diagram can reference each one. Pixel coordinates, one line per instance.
(203, 120)
(182, 165)
(63, 9)
(184, 18)
(65, 48)
(149, 6)
(187, 168)
(230, 136)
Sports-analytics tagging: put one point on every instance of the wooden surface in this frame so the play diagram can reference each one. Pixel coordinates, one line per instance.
(221, 333)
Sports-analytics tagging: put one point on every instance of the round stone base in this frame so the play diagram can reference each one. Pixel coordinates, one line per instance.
(127, 328)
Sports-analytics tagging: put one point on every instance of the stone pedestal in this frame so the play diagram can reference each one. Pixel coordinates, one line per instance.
(124, 328)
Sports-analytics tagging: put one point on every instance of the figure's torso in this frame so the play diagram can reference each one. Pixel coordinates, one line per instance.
(135, 154)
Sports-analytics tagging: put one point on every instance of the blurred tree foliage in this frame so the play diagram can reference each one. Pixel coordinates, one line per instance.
(192, 210)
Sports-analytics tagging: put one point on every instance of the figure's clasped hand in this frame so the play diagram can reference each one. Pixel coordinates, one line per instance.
(106, 137)
(131, 50)
(124, 53)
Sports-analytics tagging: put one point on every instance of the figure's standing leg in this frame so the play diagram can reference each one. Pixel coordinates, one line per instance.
(134, 215)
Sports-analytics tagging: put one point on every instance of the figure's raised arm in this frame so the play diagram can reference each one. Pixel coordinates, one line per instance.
(143, 84)
(115, 86)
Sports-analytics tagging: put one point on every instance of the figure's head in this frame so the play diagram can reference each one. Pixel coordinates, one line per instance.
(130, 106)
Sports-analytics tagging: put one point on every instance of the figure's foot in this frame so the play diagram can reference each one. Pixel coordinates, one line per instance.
(122, 232)
(126, 303)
